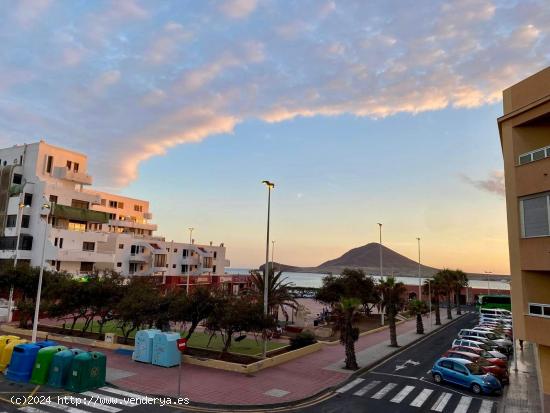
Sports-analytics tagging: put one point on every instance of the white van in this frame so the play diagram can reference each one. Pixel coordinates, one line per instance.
(499, 312)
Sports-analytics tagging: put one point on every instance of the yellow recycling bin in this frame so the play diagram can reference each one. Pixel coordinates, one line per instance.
(5, 340)
(5, 356)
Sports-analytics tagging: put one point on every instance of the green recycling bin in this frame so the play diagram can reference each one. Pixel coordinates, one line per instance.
(41, 367)
(87, 372)
(60, 367)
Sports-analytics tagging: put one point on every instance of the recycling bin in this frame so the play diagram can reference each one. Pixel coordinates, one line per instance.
(88, 371)
(143, 347)
(22, 362)
(5, 340)
(7, 351)
(41, 367)
(165, 350)
(46, 343)
(61, 366)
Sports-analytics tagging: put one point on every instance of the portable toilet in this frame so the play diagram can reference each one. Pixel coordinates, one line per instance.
(22, 362)
(165, 350)
(143, 347)
(61, 366)
(41, 367)
(87, 372)
(7, 351)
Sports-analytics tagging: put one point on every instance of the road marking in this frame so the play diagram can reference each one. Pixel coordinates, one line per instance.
(385, 390)
(368, 387)
(486, 406)
(66, 408)
(108, 399)
(402, 394)
(123, 393)
(394, 375)
(463, 404)
(350, 385)
(421, 398)
(429, 372)
(440, 404)
(29, 409)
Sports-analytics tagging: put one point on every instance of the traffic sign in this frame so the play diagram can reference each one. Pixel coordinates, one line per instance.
(182, 344)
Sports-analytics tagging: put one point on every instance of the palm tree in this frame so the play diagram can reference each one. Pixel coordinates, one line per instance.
(461, 281)
(392, 300)
(436, 288)
(448, 279)
(345, 311)
(417, 308)
(278, 293)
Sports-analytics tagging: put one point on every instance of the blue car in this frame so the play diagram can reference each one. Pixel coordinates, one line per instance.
(465, 373)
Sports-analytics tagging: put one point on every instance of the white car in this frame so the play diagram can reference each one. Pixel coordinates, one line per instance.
(460, 342)
(488, 335)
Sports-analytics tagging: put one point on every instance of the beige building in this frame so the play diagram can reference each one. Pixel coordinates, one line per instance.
(525, 139)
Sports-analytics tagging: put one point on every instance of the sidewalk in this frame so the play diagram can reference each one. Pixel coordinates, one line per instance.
(522, 394)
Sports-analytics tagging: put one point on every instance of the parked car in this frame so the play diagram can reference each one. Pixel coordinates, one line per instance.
(466, 374)
(474, 342)
(500, 333)
(499, 372)
(503, 343)
(485, 354)
(495, 312)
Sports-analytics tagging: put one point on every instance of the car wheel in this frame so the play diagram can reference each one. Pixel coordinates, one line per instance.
(476, 388)
(438, 378)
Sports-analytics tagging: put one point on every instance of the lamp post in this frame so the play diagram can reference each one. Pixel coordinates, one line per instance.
(272, 254)
(40, 276)
(270, 186)
(419, 274)
(381, 269)
(191, 229)
(488, 288)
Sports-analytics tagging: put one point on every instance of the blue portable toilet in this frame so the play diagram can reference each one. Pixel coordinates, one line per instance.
(22, 362)
(165, 350)
(46, 343)
(61, 366)
(143, 347)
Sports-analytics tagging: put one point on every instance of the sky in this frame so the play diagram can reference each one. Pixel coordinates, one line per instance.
(360, 112)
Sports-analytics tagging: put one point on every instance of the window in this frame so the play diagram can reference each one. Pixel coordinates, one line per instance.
(55, 242)
(76, 165)
(60, 242)
(185, 253)
(214, 269)
(69, 165)
(159, 260)
(25, 220)
(460, 368)
(26, 242)
(53, 199)
(77, 203)
(49, 164)
(173, 265)
(11, 221)
(119, 264)
(120, 205)
(58, 265)
(112, 204)
(88, 246)
(86, 266)
(77, 226)
(138, 208)
(17, 179)
(534, 216)
(112, 216)
(120, 246)
(103, 202)
(539, 310)
(175, 250)
(535, 155)
(132, 268)
(28, 199)
(215, 254)
(446, 364)
(184, 268)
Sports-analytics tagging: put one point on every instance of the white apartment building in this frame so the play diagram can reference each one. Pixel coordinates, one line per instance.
(46, 199)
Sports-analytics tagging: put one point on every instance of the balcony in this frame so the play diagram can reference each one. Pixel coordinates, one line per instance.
(87, 256)
(535, 253)
(79, 214)
(77, 177)
(533, 177)
(126, 223)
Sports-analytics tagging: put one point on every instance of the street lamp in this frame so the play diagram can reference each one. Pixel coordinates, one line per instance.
(40, 276)
(488, 288)
(381, 272)
(272, 253)
(191, 229)
(419, 277)
(270, 186)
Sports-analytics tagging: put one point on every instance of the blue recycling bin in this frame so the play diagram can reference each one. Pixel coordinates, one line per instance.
(61, 366)
(22, 362)
(46, 343)
(143, 347)
(165, 350)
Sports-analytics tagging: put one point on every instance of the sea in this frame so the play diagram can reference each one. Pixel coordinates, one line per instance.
(315, 280)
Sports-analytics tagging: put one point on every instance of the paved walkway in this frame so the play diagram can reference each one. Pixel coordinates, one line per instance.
(522, 394)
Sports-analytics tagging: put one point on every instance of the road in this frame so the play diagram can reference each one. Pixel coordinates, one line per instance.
(403, 383)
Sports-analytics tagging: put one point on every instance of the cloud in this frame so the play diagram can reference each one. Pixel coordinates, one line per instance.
(493, 184)
(126, 80)
(28, 11)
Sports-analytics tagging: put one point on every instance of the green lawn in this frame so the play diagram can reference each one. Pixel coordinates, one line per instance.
(200, 340)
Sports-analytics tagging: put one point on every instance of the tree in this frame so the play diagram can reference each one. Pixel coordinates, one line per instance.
(437, 289)
(418, 308)
(278, 293)
(448, 280)
(344, 312)
(193, 308)
(460, 281)
(392, 300)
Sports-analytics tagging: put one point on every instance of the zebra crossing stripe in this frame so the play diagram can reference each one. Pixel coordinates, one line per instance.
(486, 406)
(441, 402)
(350, 385)
(421, 398)
(402, 394)
(125, 393)
(463, 404)
(108, 399)
(30, 409)
(65, 408)
(366, 388)
(385, 390)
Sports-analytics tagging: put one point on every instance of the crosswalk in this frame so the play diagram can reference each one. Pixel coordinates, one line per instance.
(103, 400)
(424, 398)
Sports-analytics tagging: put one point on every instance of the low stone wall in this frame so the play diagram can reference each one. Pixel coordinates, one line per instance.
(364, 333)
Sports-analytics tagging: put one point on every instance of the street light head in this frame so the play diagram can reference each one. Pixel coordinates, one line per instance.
(379, 224)
(22, 205)
(269, 184)
(46, 206)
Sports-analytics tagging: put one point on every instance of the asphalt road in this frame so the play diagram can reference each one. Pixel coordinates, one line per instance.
(403, 383)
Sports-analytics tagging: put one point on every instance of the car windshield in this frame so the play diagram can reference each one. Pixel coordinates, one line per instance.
(475, 369)
(486, 354)
(483, 363)
(491, 336)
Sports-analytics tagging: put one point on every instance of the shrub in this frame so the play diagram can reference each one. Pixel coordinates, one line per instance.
(305, 338)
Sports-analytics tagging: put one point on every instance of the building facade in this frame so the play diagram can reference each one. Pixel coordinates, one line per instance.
(46, 204)
(525, 138)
